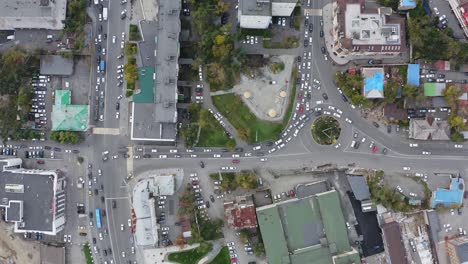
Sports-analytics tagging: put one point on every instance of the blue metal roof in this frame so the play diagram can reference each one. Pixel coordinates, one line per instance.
(373, 86)
(450, 197)
(409, 3)
(413, 74)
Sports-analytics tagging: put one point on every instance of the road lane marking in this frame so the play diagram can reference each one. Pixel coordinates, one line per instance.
(106, 131)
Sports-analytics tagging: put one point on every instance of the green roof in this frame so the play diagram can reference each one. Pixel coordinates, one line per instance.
(62, 97)
(273, 235)
(146, 81)
(434, 89)
(333, 220)
(66, 116)
(297, 226)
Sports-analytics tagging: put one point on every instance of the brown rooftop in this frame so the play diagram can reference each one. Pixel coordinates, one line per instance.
(240, 215)
(394, 243)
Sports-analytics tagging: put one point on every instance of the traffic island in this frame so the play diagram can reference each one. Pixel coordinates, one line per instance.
(326, 130)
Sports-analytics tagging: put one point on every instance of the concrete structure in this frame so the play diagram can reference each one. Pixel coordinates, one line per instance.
(429, 129)
(240, 214)
(453, 196)
(144, 207)
(155, 121)
(460, 10)
(361, 192)
(68, 117)
(364, 33)
(34, 200)
(32, 14)
(373, 82)
(258, 13)
(457, 249)
(306, 230)
(56, 65)
(52, 255)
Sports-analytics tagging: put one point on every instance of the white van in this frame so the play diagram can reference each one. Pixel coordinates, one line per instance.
(353, 143)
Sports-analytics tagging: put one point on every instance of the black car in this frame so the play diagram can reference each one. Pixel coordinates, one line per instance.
(117, 106)
(91, 215)
(207, 204)
(105, 252)
(299, 58)
(239, 150)
(384, 151)
(102, 187)
(311, 27)
(212, 198)
(104, 214)
(100, 28)
(102, 199)
(94, 240)
(321, 33)
(376, 124)
(202, 164)
(440, 75)
(325, 96)
(147, 156)
(47, 147)
(269, 143)
(345, 99)
(75, 151)
(105, 36)
(306, 42)
(356, 146)
(96, 191)
(306, 22)
(323, 50)
(114, 204)
(389, 128)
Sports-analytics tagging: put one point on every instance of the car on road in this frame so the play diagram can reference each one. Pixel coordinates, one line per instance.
(436, 11)
(129, 222)
(349, 120)
(325, 96)
(384, 151)
(426, 153)
(413, 145)
(458, 146)
(374, 149)
(235, 161)
(406, 168)
(376, 124)
(399, 189)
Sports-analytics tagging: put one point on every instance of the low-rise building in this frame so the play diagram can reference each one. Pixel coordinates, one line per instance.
(457, 249)
(67, 116)
(361, 32)
(451, 196)
(361, 192)
(56, 65)
(41, 14)
(240, 214)
(258, 13)
(429, 129)
(373, 82)
(34, 200)
(393, 241)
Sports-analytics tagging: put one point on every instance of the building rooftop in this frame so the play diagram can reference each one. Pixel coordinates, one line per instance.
(240, 215)
(28, 196)
(413, 74)
(56, 65)
(156, 121)
(429, 129)
(66, 116)
(37, 14)
(449, 197)
(255, 7)
(359, 187)
(373, 82)
(304, 230)
(394, 243)
(146, 81)
(461, 247)
(52, 255)
(434, 89)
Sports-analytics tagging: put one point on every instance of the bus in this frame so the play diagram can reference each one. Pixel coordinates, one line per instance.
(98, 218)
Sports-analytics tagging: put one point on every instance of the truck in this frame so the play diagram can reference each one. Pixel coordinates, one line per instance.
(96, 2)
(102, 66)
(104, 13)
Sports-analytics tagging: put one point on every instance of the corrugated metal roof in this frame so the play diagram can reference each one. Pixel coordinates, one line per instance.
(413, 70)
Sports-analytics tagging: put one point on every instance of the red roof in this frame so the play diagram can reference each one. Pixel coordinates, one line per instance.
(239, 216)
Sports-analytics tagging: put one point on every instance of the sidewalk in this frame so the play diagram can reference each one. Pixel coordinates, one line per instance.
(217, 246)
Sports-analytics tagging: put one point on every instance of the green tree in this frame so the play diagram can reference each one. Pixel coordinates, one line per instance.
(259, 249)
(131, 73)
(410, 90)
(456, 122)
(247, 180)
(66, 137)
(391, 91)
(451, 95)
(130, 49)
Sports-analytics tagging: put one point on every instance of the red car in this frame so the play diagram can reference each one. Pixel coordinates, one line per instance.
(299, 95)
(233, 260)
(292, 193)
(40, 162)
(195, 182)
(374, 149)
(235, 161)
(301, 109)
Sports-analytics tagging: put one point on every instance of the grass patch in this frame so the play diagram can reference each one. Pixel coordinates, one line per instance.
(288, 42)
(326, 130)
(215, 137)
(191, 256)
(134, 33)
(248, 126)
(88, 254)
(222, 257)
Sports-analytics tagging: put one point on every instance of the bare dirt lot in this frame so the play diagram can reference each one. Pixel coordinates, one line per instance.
(15, 250)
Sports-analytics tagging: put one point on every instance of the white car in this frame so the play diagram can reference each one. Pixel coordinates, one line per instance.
(263, 159)
(426, 153)
(235, 155)
(458, 146)
(216, 156)
(114, 39)
(163, 156)
(337, 115)
(122, 44)
(413, 145)
(129, 222)
(399, 189)
(117, 114)
(100, 236)
(122, 227)
(123, 254)
(436, 11)
(319, 102)
(173, 151)
(65, 238)
(412, 194)
(349, 120)
(406, 168)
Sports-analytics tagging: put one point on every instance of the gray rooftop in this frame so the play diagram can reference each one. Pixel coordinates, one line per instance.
(157, 122)
(13, 211)
(56, 65)
(463, 252)
(37, 198)
(309, 189)
(255, 8)
(359, 187)
(434, 224)
(40, 14)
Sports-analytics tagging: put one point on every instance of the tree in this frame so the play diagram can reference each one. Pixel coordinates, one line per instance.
(410, 90)
(244, 236)
(259, 249)
(221, 7)
(130, 49)
(452, 94)
(131, 73)
(391, 91)
(180, 241)
(65, 137)
(456, 122)
(247, 180)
